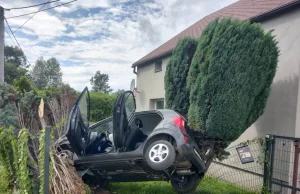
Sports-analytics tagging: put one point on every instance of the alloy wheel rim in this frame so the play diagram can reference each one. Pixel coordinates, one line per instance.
(158, 153)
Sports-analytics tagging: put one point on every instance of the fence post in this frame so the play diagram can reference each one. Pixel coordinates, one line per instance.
(296, 161)
(47, 160)
(272, 151)
(267, 173)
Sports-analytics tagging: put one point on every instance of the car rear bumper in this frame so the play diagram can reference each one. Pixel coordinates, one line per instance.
(189, 151)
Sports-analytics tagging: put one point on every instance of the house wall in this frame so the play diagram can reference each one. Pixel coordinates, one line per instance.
(150, 85)
(282, 112)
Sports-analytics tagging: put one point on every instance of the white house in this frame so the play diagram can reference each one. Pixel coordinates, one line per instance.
(282, 113)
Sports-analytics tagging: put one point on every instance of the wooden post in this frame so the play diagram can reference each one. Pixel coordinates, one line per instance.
(41, 114)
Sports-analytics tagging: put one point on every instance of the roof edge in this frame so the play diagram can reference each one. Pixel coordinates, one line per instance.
(164, 54)
(275, 11)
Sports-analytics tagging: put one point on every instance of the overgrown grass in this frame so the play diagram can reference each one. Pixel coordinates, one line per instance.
(207, 186)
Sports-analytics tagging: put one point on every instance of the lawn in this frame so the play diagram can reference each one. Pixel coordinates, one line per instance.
(207, 186)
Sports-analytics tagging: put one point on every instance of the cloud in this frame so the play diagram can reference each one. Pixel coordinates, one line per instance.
(104, 35)
(44, 24)
(148, 31)
(83, 4)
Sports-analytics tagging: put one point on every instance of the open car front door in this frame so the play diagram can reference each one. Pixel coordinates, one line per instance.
(78, 123)
(123, 110)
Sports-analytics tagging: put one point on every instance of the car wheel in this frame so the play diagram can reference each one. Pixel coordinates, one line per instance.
(160, 155)
(187, 184)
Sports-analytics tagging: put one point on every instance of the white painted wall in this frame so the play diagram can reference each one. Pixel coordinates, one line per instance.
(150, 84)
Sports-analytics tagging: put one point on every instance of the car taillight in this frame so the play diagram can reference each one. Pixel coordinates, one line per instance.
(180, 122)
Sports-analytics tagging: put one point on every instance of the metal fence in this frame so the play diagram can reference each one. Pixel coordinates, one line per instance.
(245, 175)
(281, 164)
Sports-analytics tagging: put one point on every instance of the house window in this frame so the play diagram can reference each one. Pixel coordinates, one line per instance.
(157, 104)
(158, 66)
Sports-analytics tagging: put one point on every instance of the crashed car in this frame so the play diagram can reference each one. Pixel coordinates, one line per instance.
(134, 146)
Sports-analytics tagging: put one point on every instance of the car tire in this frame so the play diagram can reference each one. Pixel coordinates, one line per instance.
(188, 186)
(160, 155)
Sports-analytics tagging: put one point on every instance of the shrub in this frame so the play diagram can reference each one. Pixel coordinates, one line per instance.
(15, 160)
(8, 110)
(23, 84)
(101, 106)
(230, 77)
(177, 95)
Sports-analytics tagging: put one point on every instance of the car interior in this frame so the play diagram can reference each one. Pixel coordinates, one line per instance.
(100, 137)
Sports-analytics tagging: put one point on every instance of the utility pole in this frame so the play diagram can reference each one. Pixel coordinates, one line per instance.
(1, 45)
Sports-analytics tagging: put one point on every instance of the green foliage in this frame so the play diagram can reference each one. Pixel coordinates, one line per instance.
(7, 139)
(15, 55)
(14, 159)
(100, 82)
(8, 116)
(22, 162)
(48, 93)
(4, 181)
(230, 77)
(13, 72)
(177, 96)
(46, 74)
(207, 186)
(55, 92)
(23, 84)
(8, 110)
(101, 106)
(8, 94)
(29, 103)
(15, 64)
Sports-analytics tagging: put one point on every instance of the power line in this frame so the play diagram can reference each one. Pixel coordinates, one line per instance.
(41, 10)
(14, 36)
(9, 36)
(31, 17)
(12, 33)
(31, 5)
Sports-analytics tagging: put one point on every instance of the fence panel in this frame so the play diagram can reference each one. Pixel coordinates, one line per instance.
(281, 164)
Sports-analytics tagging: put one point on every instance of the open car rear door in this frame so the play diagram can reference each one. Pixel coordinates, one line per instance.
(78, 123)
(123, 110)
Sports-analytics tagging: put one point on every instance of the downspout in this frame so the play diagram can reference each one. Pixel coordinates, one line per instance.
(134, 70)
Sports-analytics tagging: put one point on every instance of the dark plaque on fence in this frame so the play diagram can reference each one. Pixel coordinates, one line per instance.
(245, 154)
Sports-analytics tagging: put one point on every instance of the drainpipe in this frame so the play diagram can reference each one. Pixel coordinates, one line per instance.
(134, 70)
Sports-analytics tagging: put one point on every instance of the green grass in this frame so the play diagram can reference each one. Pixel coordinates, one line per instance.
(207, 186)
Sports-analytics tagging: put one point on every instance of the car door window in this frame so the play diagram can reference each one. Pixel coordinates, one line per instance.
(84, 105)
(105, 125)
(78, 122)
(129, 104)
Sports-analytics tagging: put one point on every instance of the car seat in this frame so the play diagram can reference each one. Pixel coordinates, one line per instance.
(134, 138)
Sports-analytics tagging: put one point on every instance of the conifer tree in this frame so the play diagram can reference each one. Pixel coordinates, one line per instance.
(230, 77)
(177, 95)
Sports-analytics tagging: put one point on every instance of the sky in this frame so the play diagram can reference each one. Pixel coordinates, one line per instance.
(101, 35)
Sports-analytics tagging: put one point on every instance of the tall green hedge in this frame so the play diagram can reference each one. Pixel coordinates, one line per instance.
(177, 96)
(101, 105)
(230, 77)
